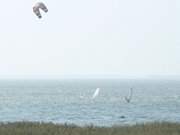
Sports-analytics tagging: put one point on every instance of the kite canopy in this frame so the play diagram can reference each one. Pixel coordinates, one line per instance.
(37, 7)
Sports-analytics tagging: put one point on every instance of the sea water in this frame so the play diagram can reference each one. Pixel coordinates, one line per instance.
(70, 101)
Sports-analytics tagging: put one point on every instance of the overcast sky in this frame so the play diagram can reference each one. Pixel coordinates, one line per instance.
(90, 37)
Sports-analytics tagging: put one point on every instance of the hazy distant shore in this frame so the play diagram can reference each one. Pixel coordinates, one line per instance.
(37, 128)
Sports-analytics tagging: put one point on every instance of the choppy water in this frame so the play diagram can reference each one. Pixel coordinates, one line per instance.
(70, 101)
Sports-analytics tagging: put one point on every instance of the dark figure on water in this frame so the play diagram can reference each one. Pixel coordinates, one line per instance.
(128, 99)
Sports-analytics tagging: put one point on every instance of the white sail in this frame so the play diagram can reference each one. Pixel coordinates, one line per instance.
(96, 93)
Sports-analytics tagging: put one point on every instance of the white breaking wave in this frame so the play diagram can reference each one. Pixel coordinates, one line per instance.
(96, 93)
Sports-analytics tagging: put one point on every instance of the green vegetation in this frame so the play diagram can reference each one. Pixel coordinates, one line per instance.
(34, 128)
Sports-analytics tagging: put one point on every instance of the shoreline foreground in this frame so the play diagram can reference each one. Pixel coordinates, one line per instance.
(38, 128)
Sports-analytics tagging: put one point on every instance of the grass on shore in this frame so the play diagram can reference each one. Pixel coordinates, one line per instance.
(35, 128)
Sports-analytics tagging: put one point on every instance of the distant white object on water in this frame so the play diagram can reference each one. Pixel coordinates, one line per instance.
(96, 93)
(81, 97)
(37, 7)
(128, 99)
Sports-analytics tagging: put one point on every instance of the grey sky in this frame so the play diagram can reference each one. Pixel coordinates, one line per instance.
(90, 37)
